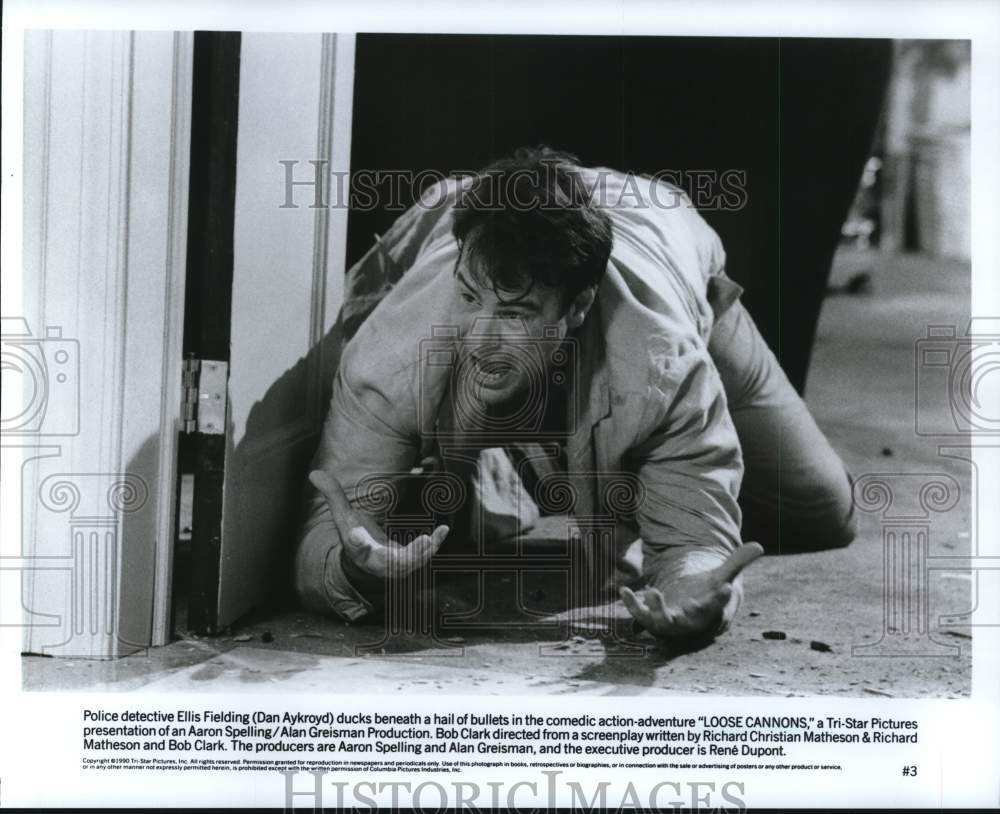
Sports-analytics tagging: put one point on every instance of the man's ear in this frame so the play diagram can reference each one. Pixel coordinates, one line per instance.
(580, 306)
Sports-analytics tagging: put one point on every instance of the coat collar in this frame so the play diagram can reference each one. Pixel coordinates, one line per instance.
(591, 396)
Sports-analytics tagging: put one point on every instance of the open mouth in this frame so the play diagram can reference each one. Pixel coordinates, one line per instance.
(490, 373)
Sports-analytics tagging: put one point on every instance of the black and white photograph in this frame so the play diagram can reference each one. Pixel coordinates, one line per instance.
(601, 337)
(544, 364)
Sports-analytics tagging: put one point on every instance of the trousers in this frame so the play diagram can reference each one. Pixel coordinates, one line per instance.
(796, 494)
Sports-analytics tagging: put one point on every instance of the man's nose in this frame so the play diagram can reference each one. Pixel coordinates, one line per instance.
(481, 337)
(487, 331)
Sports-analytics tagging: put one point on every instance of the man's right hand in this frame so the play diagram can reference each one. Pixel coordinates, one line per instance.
(374, 555)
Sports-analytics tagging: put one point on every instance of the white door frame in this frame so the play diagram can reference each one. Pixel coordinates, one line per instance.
(105, 188)
(295, 103)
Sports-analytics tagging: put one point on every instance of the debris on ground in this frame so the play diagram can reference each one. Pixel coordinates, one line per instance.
(821, 647)
(774, 634)
(266, 637)
(243, 637)
(875, 691)
(858, 284)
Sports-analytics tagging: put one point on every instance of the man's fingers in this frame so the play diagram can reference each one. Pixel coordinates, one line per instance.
(634, 605)
(407, 559)
(438, 536)
(631, 600)
(378, 558)
(738, 560)
(423, 548)
(361, 547)
(659, 602)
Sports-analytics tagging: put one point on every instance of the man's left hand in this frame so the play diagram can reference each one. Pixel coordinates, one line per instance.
(694, 606)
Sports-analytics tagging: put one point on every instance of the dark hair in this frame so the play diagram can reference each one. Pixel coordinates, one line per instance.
(528, 219)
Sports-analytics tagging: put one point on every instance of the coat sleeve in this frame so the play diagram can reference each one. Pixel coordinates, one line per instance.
(690, 467)
(368, 431)
(357, 443)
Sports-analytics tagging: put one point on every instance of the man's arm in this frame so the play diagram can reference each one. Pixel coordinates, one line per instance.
(358, 440)
(369, 430)
(689, 521)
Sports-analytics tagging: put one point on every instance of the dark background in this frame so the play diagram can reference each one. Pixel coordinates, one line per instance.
(797, 115)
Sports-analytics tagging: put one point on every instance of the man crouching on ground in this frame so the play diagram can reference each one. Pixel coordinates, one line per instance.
(578, 322)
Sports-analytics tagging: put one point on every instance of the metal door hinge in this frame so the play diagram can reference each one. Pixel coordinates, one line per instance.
(203, 401)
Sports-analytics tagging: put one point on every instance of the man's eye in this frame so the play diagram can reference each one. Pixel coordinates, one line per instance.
(467, 297)
(508, 315)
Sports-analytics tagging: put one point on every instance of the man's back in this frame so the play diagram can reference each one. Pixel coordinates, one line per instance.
(625, 271)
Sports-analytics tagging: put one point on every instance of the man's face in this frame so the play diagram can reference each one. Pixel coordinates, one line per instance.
(507, 344)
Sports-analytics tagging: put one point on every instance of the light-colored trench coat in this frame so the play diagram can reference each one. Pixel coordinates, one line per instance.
(651, 404)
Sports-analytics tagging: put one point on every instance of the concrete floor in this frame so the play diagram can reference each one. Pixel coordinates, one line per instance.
(861, 390)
